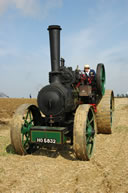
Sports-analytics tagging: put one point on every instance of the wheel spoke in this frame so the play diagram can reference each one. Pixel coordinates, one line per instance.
(90, 144)
(89, 122)
(28, 123)
(90, 132)
(26, 115)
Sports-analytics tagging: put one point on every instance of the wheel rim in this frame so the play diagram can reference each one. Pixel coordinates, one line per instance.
(90, 133)
(111, 107)
(103, 79)
(111, 111)
(25, 130)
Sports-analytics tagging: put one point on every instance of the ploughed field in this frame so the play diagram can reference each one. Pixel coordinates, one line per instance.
(59, 171)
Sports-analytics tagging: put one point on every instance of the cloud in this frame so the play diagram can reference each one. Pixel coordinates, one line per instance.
(6, 49)
(27, 7)
(77, 44)
(3, 5)
(4, 52)
(102, 40)
(86, 46)
(49, 5)
(31, 8)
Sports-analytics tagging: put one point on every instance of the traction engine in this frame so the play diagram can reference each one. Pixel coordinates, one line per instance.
(72, 109)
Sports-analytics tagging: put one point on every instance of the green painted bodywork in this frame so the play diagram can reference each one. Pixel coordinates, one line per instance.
(47, 134)
(44, 134)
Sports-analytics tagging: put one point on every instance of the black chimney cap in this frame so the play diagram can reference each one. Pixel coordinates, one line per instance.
(54, 27)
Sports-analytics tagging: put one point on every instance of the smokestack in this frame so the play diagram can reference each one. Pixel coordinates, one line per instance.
(54, 36)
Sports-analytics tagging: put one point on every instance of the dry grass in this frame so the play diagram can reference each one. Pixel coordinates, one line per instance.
(58, 171)
(9, 105)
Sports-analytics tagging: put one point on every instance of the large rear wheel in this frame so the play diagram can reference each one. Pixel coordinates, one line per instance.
(100, 79)
(104, 113)
(84, 132)
(24, 118)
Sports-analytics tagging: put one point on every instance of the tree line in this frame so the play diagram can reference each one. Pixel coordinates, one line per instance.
(122, 96)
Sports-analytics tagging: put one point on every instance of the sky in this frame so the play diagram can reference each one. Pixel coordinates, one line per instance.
(93, 31)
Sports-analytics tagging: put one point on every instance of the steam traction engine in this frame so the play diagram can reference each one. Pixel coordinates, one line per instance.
(69, 109)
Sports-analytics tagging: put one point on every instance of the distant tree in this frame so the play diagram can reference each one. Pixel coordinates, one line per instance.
(2, 95)
(118, 95)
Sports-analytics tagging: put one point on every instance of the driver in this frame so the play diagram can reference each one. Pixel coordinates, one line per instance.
(89, 72)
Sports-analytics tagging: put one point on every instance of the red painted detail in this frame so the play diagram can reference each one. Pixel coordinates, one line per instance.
(82, 79)
(89, 80)
(94, 107)
(78, 84)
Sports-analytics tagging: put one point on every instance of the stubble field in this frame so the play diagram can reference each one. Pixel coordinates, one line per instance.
(59, 171)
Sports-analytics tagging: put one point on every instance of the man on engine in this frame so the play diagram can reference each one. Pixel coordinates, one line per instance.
(89, 72)
(88, 77)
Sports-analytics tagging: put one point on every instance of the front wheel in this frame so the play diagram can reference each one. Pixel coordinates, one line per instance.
(84, 132)
(25, 117)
